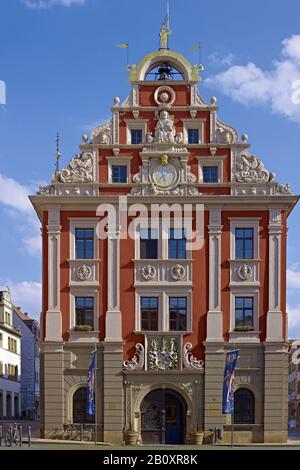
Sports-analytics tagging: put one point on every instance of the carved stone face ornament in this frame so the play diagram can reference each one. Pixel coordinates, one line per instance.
(245, 272)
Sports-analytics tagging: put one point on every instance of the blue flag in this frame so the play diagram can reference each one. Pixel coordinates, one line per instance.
(230, 365)
(91, 406)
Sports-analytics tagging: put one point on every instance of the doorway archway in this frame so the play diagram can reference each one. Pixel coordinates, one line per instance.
(163, 417)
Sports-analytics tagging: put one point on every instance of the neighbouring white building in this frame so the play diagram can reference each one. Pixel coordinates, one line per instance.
(10, 360)
(294, 385)
(30, 359)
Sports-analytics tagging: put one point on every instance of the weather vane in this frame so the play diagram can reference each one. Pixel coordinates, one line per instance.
(58, 154)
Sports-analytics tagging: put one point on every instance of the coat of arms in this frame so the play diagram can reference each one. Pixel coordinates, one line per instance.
(163, 353)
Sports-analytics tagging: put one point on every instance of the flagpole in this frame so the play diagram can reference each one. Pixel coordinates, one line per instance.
(96, 393)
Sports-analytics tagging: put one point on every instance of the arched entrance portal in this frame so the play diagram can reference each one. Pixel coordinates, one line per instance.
(163, 415)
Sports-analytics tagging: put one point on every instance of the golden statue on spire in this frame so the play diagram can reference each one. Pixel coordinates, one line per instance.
(165, 31)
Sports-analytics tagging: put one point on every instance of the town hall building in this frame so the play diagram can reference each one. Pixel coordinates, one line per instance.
(164, 247)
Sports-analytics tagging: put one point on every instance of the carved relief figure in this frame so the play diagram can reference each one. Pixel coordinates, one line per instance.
(79, 170)
(165, 130)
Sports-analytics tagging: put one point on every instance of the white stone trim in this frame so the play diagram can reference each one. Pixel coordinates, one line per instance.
(163, 306)
(244, 222)
(132, 124)
(83, 292)
(274, 315)
(84, 222)
(119, 161)
(193, 124)
(214, 316)
(210, 161)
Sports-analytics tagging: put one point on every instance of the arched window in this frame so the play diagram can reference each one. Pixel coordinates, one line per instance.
(244, 406)
(80, 407)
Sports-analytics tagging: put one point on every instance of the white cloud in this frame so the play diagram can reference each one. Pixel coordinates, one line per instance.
(277, 87)
(14, 198)
(46, 4)
(217, 58)
(27, 295)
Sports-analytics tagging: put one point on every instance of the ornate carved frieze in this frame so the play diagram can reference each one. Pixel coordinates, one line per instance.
(163, 353)
(249, 169)
(102, 134)
(189, 361)
(79, 170)
(138, 360)
(46, 190)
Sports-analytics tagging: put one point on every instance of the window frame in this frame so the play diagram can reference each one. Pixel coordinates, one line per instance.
(177, 240)
(149, 310)
(83, 292)
(211, 161)
(85, 308)
(177, 319)
(245, 222)
(136, 124)
(193, 124)
(243, 239)
(245, 292)
(85, 239)
(84, 222)
(125, 160)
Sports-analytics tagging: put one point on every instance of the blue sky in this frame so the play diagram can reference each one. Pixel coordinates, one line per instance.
(61, 67)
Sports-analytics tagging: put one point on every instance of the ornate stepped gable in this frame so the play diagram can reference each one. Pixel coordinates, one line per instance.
(164, 147)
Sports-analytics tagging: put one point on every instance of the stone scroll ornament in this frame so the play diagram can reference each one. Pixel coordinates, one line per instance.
(79, 170)
(102, 134)
(249, 169)
(138, 360)
(189, 361)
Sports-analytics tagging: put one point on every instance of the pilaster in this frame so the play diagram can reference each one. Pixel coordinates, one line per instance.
(274, 315)
(214, 315)
(53, 314)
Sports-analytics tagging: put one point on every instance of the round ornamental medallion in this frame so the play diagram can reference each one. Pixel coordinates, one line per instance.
(177, 272)
(84, 272)
(245, 272)
(164, 95)
(148, 272)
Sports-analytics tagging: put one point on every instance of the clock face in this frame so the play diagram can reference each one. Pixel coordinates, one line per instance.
(164, 176)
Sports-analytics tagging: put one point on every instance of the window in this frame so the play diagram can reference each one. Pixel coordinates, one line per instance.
(178, 313)
(12, 372)
(243, 311)
(149, 313)
(148, 244)
(244, 407)
(177, 244)
(193, 136)
(210, 174)
(12, 344)
(119, 174)
(244, 243)
(1, 369)
(84, 242)
(80, 403)
(136, 136)
(7, 318)
(84, 311)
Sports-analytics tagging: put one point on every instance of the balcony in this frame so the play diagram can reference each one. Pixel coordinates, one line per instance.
(168, 272)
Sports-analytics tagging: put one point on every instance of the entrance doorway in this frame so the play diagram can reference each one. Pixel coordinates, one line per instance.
(163, 415)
